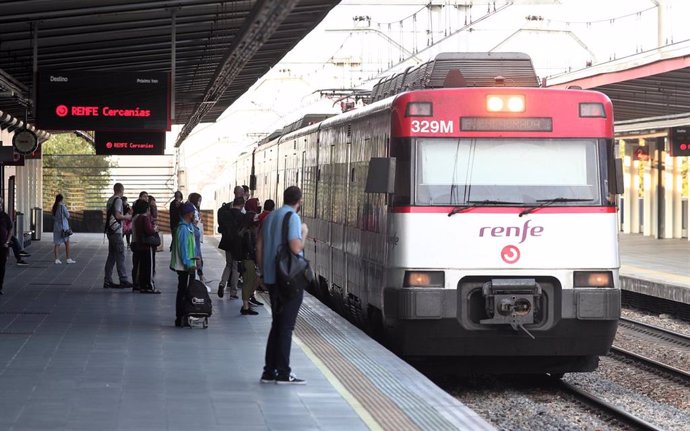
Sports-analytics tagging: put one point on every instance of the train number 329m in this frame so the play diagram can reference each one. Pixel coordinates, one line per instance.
(433, 126)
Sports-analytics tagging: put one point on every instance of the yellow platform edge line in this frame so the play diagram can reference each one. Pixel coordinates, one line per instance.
(351, 399)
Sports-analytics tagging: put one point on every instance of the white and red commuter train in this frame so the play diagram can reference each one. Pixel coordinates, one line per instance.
(471, 221)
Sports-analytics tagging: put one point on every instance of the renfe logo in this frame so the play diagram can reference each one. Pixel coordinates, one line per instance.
(510, 254)
(512, 231)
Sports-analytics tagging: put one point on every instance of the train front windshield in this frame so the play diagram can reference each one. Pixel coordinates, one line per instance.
(507, 171)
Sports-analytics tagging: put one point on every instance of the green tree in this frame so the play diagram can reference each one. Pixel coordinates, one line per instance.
(72, 168)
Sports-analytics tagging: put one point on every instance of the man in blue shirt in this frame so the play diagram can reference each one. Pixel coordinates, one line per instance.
(277, 366)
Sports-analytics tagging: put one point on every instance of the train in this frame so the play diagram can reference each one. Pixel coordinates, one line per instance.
(466, 213)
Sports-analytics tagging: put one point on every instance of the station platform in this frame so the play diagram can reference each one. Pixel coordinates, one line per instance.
(656, 267)
(75, 356)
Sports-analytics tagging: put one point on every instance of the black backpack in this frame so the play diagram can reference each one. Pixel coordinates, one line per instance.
(223, 216)
(197, 302)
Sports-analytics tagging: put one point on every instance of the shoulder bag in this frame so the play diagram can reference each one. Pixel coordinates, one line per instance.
(293, 272)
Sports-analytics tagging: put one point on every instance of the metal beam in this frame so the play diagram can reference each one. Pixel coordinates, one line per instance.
(263, 21)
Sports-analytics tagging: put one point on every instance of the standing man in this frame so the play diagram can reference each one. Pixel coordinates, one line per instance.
(277, 365)
(229, 225)
(183, 258)
(116, 247)
(175, 213)
(5, 238)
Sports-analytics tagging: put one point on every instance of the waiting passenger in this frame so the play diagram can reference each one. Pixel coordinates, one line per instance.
(174, 214)
(284, 311)
(183, 257)
(143, 231)
(229, 225)
(5, 238)
(247, 263)
(195, 199)
(116, 247)
(61, 230)
(269, 206)
(127, 224)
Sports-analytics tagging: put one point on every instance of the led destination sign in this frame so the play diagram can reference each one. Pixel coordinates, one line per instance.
(506, 124)
(126, 101)
(130, 144)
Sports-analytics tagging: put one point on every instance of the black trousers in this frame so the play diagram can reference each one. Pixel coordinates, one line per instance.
(142, 268)
(183, 279)
(280, 337)
(4, 252)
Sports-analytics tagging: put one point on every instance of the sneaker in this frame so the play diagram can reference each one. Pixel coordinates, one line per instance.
(24, 254)
(254, 301)
(58, 262)
(22, 262)
(126, 284)
(233, 296)
(248, 312)
(221, 290)
(71, 261)
(268, 377)
(108, 285)
(289, 380)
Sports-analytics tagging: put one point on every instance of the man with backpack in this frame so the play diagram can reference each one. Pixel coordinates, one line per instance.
(284, 311)
(116, 247)
(229, 226)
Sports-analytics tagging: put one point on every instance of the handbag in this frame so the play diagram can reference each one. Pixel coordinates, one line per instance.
(67, 233)
(293, 272)
(152, 240)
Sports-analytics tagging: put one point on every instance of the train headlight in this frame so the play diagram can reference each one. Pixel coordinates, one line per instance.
(593, 279)
(505, 103)
(424, 279)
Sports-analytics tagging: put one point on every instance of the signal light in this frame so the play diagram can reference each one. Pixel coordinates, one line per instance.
(424, 279)
(592, 110)
(507, 103)
(419, 109)
(593, 279)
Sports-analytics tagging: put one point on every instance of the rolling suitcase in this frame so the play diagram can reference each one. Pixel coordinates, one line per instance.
(197, 304)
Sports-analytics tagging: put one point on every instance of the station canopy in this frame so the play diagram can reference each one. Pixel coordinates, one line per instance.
(222, 47)
(650, 89)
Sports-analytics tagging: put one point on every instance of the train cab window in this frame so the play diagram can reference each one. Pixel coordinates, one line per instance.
(507, 171)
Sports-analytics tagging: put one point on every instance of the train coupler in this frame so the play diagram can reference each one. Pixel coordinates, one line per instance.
(511, 302)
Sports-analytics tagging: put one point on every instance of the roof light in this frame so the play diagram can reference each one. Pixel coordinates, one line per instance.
(507, 103)
(516, 103)
(592, 110)
(419, 109)
(494, 103)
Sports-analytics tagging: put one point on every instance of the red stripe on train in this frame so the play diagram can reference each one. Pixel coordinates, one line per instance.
(504, 210)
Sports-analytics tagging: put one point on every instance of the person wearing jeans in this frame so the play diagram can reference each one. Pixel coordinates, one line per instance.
(116, 246)
(284, 313)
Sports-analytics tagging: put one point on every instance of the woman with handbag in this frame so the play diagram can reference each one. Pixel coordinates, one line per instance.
(61, 229)
(145, 240)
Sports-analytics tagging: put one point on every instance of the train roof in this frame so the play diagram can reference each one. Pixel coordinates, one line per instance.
(461, 69)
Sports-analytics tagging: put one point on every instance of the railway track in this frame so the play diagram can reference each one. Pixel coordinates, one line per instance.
(656, 332)
(605, 407)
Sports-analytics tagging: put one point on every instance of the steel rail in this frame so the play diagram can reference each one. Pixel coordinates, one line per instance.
(611, 409)
(669, 369)
(656, 331)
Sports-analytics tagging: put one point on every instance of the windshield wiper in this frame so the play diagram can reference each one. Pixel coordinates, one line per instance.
(475, 204)
(547, 202)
